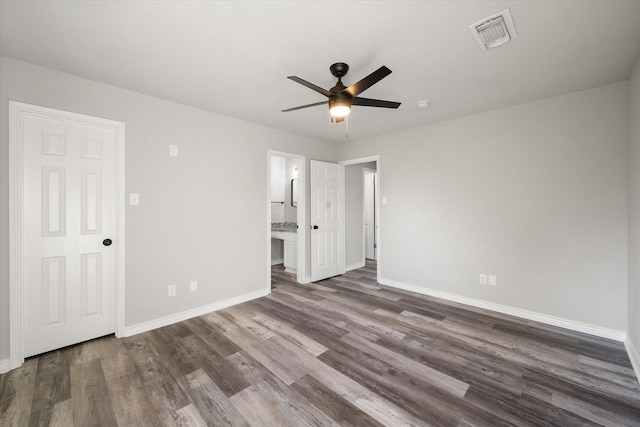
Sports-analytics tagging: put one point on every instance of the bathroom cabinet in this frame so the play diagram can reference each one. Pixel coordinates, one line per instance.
(290, 256)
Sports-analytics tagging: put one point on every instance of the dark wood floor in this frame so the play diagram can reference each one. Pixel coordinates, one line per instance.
(344, 351)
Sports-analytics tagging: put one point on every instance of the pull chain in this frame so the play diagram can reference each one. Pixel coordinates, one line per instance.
(346, 127)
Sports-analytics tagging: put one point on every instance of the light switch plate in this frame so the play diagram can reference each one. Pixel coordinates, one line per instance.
(193, 285)
(493, 280)
(134, 199)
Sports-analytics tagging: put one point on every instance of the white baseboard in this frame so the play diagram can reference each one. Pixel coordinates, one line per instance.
(179, 317)
(354, 266)
(4, 366)
(277, 261)
(634, 356)
(525, 314)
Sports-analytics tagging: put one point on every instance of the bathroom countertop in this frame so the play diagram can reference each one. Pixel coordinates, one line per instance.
(289, 227)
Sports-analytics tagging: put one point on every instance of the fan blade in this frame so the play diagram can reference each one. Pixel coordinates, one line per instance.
(366, 102)
(310, 86)
(364, 84)
(305, 106)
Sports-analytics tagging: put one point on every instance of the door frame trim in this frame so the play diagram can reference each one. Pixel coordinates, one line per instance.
(17, 112)
(375, 158)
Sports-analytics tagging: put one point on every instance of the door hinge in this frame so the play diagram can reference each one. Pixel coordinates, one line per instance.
(375, 246)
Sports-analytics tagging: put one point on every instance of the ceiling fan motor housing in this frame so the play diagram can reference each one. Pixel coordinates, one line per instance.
(339, 69)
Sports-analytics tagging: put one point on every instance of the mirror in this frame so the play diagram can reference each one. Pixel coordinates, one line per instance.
(294, 193)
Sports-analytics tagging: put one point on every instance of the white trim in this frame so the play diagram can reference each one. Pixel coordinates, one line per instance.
(4, 366)
(195, 312)
(343, 223)
(359, 160)
(355, 266)
(17, 110)
(16, 348)
(277, 261)
(524, 314)
(634, 356)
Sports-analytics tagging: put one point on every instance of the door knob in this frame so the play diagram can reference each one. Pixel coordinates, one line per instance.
(315, 227)
(107, 242)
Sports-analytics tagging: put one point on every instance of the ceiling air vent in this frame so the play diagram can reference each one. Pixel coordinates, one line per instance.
(494, 31)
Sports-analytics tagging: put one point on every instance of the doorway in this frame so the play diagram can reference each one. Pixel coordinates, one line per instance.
(67, 229)
(286, 214)
(362, 224)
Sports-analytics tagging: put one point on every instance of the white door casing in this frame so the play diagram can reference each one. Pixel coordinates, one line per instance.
(67, 198)
(369, 214)
(327, 220)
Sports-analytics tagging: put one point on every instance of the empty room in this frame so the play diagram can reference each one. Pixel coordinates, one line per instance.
(325, 213)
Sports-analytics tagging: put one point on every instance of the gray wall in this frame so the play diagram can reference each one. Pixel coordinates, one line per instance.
(202, 215)
(534, 193)
(354, 221)
(634, 211)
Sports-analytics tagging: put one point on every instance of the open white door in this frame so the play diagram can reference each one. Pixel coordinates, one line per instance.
(327, 220)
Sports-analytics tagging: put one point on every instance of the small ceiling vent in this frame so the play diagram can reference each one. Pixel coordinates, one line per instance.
(494, 31)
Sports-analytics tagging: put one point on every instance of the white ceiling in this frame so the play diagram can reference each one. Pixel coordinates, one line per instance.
(233, 57)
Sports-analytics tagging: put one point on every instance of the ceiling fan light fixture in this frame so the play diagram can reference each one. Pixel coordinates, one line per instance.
(339, 107)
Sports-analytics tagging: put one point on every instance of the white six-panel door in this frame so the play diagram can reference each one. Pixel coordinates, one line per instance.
(69, 210)
(327, 220)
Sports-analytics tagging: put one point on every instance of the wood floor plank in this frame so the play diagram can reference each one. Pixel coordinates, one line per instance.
(411, 367)
(216, 366)
(318, 329)
(189, 416)
(290, 334)
(129, 397)
(16, 394)
(160, 385)
(267, 404)
(62, 414)
(91, 400)
(338, 409)
(52, 385)
(212, 336)
(209, 401)
(269, 355)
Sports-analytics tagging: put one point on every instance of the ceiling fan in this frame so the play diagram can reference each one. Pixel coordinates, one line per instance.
(342, 98)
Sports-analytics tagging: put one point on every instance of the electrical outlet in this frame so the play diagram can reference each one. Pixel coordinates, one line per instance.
(173, 150)
(483, 279)
(493, 280)
(193, 286)
(171, 290)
